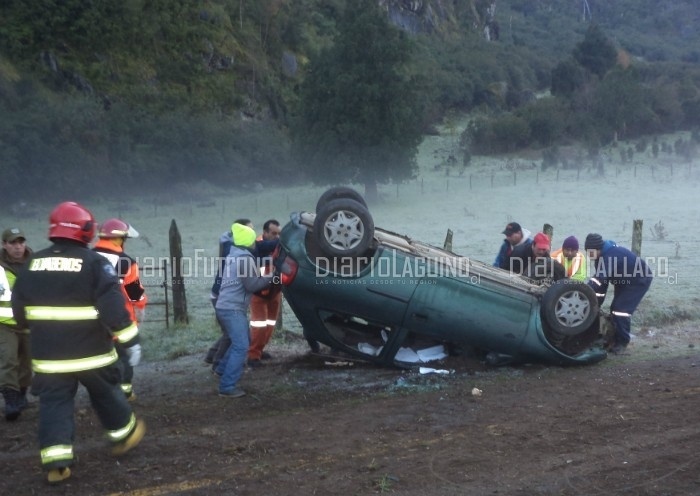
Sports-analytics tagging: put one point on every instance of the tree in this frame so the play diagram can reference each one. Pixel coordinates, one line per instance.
(360, 110)
(620, 105)
(596, 52)
(567, 78)
(546, 119)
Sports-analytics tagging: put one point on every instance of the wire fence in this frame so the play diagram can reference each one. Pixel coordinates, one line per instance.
(158, 305)
(513, 176)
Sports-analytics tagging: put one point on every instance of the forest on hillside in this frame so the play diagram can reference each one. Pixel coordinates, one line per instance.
(182, 90)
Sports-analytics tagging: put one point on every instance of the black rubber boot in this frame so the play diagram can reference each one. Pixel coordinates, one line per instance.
(22, 402)
(12, 408)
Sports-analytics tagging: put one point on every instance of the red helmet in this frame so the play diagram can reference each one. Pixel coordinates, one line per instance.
(70, 220)
(115, 228)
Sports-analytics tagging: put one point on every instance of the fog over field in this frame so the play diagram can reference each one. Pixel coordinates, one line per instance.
(475, 204)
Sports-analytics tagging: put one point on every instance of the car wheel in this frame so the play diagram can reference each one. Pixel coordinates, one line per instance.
(343, 228)
(569, 307)
(337, 193)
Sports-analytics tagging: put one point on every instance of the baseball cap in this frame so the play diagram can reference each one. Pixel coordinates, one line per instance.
(541, 241)
(9, 235)
(511, 228)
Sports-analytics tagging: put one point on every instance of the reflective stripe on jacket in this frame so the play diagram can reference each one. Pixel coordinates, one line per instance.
(6, 316)
(74, 365)
(575, 268)
(69, 297)
(8, 275)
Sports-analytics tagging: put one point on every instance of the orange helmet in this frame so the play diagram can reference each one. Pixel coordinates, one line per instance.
(71, 220)
(116, 228)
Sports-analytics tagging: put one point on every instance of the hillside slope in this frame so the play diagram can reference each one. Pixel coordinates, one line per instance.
(248, 55)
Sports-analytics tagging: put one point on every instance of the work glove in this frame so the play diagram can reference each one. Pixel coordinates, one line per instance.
(134, 354)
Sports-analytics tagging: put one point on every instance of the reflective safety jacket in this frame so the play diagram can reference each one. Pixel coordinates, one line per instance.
(128, 274)
(8, 275)
(69, 297)
(575, 268)
(6, 316)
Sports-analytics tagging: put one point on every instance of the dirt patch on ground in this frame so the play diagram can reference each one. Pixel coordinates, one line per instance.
(628, 425)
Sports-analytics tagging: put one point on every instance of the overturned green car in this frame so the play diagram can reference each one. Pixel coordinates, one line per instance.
(372, 294)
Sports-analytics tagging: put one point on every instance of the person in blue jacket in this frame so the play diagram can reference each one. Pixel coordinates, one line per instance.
(514, 236)
(613, 264)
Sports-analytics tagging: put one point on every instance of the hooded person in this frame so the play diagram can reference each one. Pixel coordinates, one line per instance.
(217, 350)
(263, 249)
(628, 273)
(240, 279)
(515, 236)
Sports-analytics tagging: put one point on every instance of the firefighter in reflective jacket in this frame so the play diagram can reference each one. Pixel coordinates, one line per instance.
(69, 298)
(113, 234)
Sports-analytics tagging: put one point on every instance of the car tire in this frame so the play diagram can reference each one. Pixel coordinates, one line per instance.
(343, 228)
(569, 307)
(337, 193)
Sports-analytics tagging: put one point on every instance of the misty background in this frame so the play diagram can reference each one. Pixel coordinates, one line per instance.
(107, 99)
(460, 115)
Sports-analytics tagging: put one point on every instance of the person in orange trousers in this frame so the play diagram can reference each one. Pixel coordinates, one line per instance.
(264, 305)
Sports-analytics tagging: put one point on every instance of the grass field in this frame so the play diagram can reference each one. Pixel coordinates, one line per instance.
(476, 205)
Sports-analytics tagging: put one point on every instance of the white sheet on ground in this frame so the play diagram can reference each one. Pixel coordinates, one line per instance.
(428, 370)
(432, 353)
(368, 349)
(407, 354)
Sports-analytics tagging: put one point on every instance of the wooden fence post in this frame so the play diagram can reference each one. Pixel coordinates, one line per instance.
(164, 270)
(548, 229)
(178, 283)
(447, 245)
(637, 236)
(279, 324)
